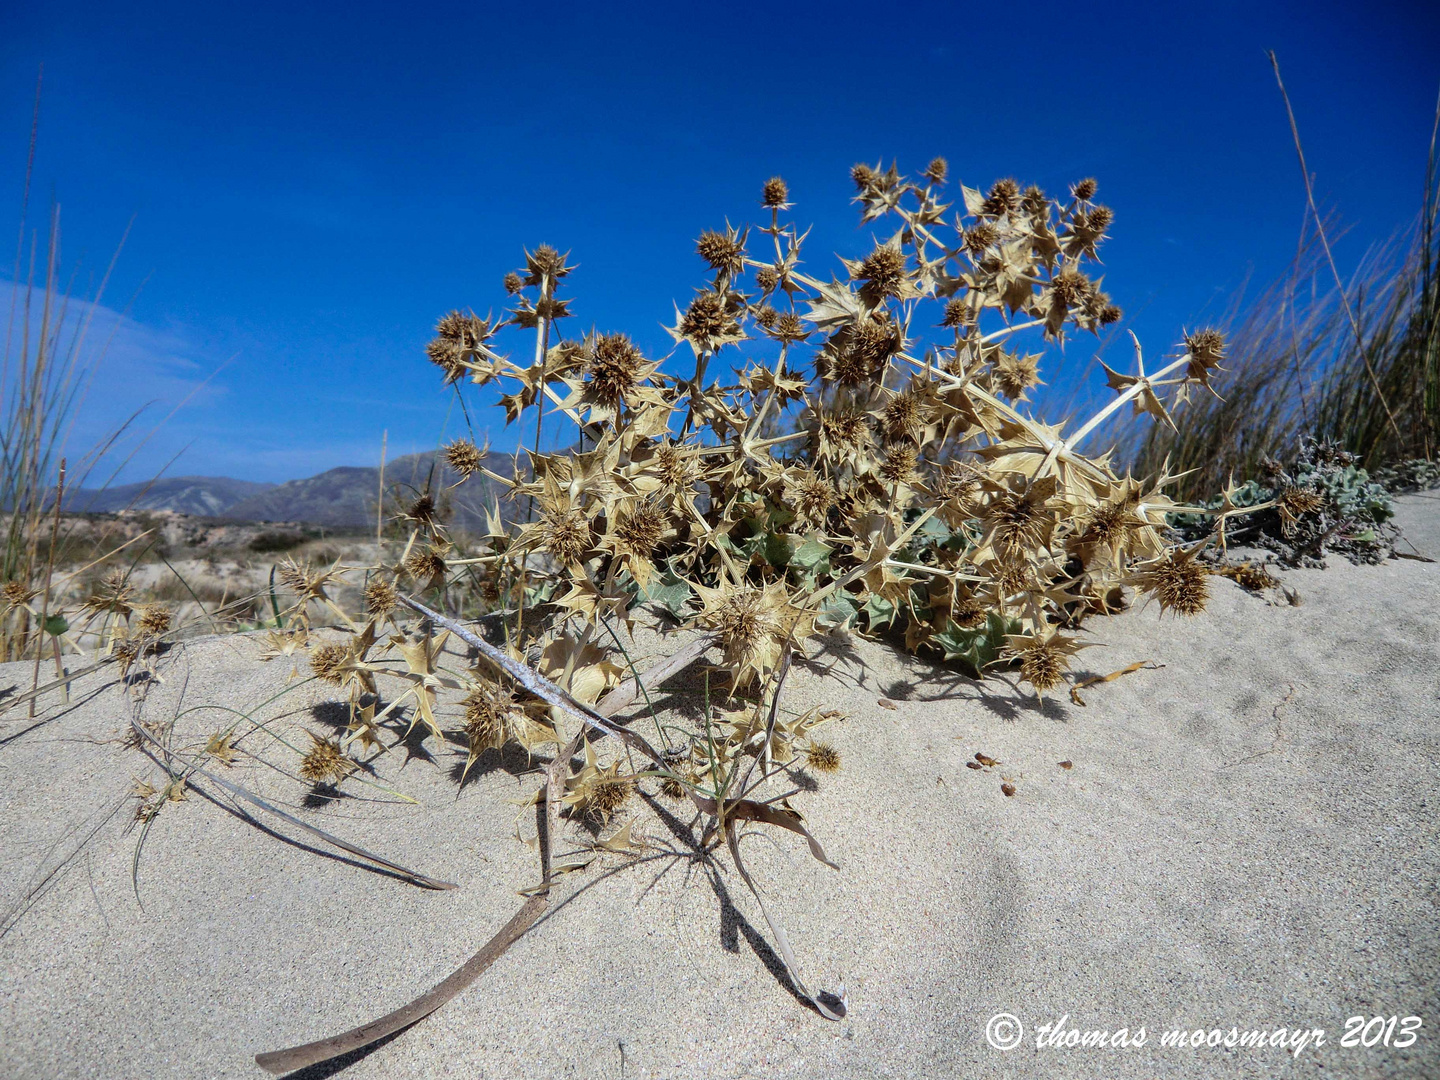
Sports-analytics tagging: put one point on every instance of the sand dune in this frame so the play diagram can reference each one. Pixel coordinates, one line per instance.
(1246, 838)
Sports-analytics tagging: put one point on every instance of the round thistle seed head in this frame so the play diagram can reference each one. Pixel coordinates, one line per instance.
(767, 278)
(427, 564)
(956, 313)
(17, 594)
(1177, 581)
(672, 788)
(937, 170)
(1100, 218)
(863, 175)
(1034, 202)
(458, 337)
(767, 316)
(608, 795)
(566, 534)
(1003, 199)
(1084, 190)
(329, 661)
(1206, 348)
(513, 283)
(1016, 375)
(883, 270)
(1070, 286)
(675, 467)
(545, 263)
(464, 457)
(423, 511)
(904, 417)
(723, 252)
(154, 620)
(1042, 668)
(899, 466)
(381, 598)
(326, 763)
(822, 757)
(614, 370)
(640, 531)
(774, 194)
(810, 495)
(706, 321)
(488, 710)
(979, 237)
(1110, 313)
(790, 328)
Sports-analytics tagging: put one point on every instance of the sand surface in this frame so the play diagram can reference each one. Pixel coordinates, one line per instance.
(1247, 839)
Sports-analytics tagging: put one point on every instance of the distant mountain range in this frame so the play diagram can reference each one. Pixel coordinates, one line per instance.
(338, 498)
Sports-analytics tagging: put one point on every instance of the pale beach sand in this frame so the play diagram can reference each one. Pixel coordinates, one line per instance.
(1247, 839)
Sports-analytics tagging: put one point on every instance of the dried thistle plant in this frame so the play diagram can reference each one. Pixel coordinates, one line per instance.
(871, 465)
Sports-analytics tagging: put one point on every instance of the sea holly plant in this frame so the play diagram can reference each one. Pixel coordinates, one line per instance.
(827, 449)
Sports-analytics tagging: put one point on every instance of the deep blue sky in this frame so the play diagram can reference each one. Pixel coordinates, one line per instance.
(313, 185)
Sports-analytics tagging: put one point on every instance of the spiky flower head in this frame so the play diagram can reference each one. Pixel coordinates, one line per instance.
(329, 662)
(774, 194)
(708, 322)
(1071, 286)
(1044, 657)
(883, 272)
(426, 564)
(957, 313)
(863, 175)
(810, 495)
(1084, 190)
(979, 237)
(1015, 374)
(513, 283)
(492, 717)
(639, 531)
(17, 594)
(155, 619)
(822, 757)
(464, 457)
(1294, 502)
(381, 597)
(114, 595)
(1204, 350)
(906, 416)
(423, 511)
(1004, 198)
(615, 370)
(937, 170)
(545, 266)
(459, 338)
(900, 464)
(767, 278)
(1176, 579)
(753, 625)
(595, 792)
(790, 328)
(326, 763)
(566, 534)
(724, 251)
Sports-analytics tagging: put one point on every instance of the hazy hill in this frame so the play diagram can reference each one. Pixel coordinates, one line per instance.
(202, 496)
(338, 498)
(346, 496)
